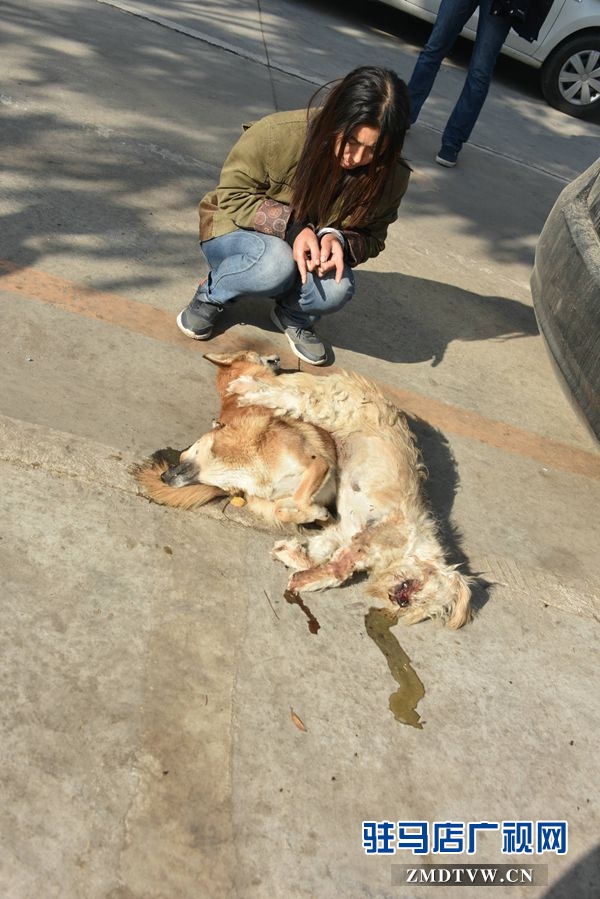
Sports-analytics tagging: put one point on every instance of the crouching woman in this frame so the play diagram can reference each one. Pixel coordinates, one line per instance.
(303, 198)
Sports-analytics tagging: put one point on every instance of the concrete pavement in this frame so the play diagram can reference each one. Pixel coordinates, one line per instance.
(150, 664)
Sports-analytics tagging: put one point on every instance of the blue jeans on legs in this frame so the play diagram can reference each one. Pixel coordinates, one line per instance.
(491, 34)
(248, 263)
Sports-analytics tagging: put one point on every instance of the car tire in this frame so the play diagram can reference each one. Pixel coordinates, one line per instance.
(565, 80)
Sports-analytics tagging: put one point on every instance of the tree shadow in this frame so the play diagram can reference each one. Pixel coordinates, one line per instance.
(103, 167)
(113, 182)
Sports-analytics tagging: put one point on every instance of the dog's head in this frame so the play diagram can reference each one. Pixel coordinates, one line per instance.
(424, 590)
(191, 462)
(244, 360)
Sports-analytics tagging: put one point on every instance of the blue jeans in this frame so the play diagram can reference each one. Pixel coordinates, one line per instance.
(248, 263)
(491, 34)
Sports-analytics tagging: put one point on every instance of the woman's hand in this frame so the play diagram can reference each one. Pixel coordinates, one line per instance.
(306, 252)
(331, 257)
(310, 256)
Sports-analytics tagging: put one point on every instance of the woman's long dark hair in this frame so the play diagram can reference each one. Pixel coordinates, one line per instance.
(369, 96)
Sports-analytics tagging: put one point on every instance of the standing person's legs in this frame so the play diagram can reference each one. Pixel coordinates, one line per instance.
(241, 262)
(451, 19)
(491, 34)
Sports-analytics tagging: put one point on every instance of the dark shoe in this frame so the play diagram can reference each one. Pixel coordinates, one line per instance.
(303, 341)
(197, 320)
(447, 157)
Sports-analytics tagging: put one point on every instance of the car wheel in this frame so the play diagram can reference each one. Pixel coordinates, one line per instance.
(570, 77)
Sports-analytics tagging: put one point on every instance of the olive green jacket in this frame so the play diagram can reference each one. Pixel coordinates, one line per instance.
(254, 189)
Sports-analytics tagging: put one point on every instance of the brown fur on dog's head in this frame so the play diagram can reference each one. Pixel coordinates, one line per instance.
(245, 362)
(148, 475)
(271, 361)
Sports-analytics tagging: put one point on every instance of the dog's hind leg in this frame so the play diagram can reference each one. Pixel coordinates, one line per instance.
(263, 508)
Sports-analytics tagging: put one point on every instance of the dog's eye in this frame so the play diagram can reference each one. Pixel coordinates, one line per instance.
(401, 593)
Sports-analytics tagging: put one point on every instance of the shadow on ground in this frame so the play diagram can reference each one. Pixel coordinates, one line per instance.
(440, 489)
(582, 880)
(87, 185)
(402, 318)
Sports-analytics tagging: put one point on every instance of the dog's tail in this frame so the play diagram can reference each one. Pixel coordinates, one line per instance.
(148, 476)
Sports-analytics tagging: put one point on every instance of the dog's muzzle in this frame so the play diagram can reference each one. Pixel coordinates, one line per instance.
(181, 475)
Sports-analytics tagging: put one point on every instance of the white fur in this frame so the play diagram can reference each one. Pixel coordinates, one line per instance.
(383, 526)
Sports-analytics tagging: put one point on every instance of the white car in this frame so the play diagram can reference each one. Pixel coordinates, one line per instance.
(567, 51)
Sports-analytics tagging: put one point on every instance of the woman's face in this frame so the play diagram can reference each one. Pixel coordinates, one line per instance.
(359, 148)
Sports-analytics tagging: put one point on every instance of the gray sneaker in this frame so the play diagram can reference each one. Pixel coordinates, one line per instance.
(447, 157)
(197, 319)
(303, 341)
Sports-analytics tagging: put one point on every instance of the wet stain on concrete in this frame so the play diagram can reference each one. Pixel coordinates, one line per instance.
(295, 599)
(403, 703)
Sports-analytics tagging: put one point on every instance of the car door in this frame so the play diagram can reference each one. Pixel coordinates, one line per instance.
(418, 7)
(428, 9)
(529, 48)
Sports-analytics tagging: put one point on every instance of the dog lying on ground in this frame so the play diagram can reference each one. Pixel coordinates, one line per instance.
(286, 468)
(384, 526)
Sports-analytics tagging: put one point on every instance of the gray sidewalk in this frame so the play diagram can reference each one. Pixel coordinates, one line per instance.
(150, 663)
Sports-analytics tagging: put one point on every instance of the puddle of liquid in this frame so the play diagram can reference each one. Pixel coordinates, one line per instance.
(295, 599)
(403, 703)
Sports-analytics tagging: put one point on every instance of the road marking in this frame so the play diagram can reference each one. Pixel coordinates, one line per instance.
(579, 597)
(159, 325)
(454, 420)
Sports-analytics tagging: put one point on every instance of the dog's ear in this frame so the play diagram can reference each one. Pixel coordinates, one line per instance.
(461, 610)
(222, 359)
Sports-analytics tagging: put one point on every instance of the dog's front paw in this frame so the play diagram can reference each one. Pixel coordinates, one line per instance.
(288, 512)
